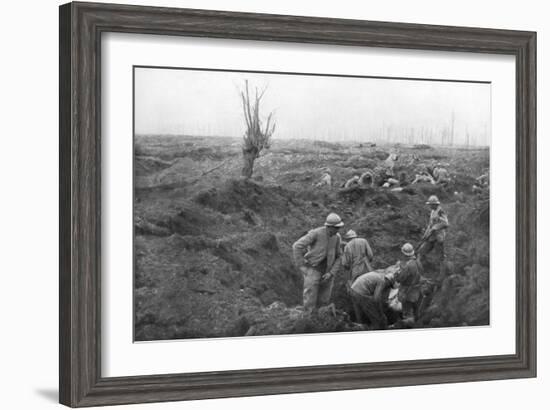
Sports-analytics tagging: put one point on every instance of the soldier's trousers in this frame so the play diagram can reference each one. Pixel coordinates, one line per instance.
(439, 248)
(410, 310)
(316, 292)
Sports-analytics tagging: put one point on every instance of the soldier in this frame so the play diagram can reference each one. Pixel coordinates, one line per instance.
(367, 178)
(369, 296)
(423, 175)
(409, 277)
(357, 256)
(352, 182)
(377, 176)
(441, 175)
(326, 178)
(317, 256)
(482, 183)
(434, 235)
(389, 162)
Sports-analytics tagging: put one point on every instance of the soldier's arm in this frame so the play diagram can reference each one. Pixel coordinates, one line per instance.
(345, 260)
(337, 259)
(370, 255)
(427, 231)
(443, 221)
(402, 274)
(335, 267)
(299, 248)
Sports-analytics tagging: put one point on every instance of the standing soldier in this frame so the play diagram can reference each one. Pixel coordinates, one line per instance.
(434, 235)
(317, 255)
(409, 277)
(357, 256)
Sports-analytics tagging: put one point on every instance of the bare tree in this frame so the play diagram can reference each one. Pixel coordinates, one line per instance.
(257, 137)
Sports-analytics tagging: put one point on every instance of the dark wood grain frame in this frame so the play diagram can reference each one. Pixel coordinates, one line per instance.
(81, 27)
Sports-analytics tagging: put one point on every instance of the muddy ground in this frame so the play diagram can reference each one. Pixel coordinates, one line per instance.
(213, 251)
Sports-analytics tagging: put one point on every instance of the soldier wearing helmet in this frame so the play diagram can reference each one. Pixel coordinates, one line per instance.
(369, 296)
(357, 255)
(434, 235)
(409, 278)
(317, 256)
(441, 175)
(326, 178)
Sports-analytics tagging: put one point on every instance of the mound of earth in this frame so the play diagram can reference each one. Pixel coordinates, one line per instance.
(277, 319)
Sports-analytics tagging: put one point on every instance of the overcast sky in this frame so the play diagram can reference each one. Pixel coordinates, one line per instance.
(195, 102)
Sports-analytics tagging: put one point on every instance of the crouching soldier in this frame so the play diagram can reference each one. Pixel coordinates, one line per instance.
(317, 256)
(325, 180)
(482, 183)
(423, 176)
(441, 175)
(352, 182)
(409, 278)
(435, 233)
(369, 296)
(357, 256)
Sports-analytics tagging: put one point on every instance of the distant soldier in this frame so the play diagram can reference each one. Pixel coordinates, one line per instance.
(435, 233)
(423, 175)
(317, 256)
(326, 178)
(482, 183)
(357, 256)
(369, 296)
(389, 163)
(441, 175)
(367, 178)
(409, 278)
(483, 179)
(423, 178)
(352, 182)
(377, 176)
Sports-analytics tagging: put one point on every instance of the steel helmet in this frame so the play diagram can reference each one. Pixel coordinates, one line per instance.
(407, 249)
(334, 220)
(350, 234)
(433, 200)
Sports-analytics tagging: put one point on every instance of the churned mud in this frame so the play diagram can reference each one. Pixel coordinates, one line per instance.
(213, 253)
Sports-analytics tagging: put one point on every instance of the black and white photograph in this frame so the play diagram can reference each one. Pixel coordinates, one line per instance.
(294, 203)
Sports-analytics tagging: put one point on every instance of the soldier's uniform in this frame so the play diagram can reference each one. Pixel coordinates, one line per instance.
(409, 278)
(357, 255)
(326, 180)
(438, 225)
(441, 176)
(376, 177)
(318, 253)
(369, 295)
(353, 181)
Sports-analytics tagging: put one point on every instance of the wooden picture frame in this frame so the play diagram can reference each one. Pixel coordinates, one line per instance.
(81, 27)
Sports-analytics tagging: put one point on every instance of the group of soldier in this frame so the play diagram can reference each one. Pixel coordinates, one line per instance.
(383, 175)
(321, 254)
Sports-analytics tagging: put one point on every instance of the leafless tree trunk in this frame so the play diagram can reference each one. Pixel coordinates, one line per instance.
(257, 137)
